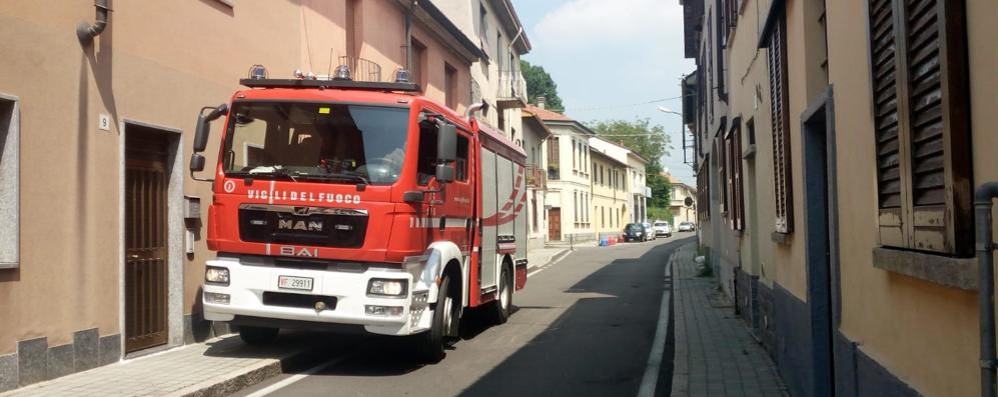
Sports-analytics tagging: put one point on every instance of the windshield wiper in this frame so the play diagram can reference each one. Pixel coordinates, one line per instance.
(345, 177)
(271, 171)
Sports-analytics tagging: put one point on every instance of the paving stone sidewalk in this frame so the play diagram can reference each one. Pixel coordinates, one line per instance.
(714, 353)
(215, 368)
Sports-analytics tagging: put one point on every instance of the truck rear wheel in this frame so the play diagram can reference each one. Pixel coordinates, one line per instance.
(501, 306)
(430, 345)
(257, 335)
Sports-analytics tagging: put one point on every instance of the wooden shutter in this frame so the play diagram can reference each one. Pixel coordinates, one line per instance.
(777, 56)
(737, 191)
(885, 120)
(919, 77)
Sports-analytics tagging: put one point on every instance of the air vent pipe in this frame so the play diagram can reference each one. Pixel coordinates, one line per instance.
(85, 32)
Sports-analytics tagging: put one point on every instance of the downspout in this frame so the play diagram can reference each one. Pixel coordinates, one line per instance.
(408, 36)
(85, 32)
(986, 270)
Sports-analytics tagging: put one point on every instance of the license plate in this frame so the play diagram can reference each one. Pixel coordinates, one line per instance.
(291, 282)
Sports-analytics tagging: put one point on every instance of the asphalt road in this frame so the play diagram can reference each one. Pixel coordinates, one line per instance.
(582, 327)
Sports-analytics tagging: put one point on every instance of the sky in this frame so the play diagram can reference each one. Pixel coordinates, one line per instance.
(612, 59)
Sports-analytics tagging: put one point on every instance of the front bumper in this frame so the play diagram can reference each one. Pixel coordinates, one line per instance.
(252, 277)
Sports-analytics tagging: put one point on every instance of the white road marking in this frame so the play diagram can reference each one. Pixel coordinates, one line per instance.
(297, 377)
(650, 378)
(531, 274)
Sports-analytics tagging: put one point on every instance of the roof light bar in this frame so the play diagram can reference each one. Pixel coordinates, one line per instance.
(346, 84)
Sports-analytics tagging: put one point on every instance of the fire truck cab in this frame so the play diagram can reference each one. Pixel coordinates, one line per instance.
(354, 205)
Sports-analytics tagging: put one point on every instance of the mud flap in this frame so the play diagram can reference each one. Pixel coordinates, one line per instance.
(520, 274)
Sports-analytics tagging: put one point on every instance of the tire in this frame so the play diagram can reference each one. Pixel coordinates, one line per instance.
(257, 336)
(501, 306)
(431, 345)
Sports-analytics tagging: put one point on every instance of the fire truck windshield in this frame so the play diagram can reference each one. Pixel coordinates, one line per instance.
(338, 143)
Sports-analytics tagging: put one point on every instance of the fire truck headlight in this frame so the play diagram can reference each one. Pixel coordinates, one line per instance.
(393, 288)
(216, 275)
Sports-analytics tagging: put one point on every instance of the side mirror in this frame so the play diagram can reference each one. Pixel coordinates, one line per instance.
(445, 173)
(197, 162)
(202, 128)
(446, 143)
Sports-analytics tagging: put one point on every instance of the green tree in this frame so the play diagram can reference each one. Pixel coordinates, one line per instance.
(540, 83)
(648, 140)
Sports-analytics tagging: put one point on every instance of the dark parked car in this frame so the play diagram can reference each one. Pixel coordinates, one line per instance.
(636, 232)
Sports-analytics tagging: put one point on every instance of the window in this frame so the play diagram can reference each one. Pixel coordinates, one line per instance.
(574, 161)
(554, 159)
(782, 182)
(499, 54)
(461, 165)
(920, 102)
(737, 219)
(483, 27)
(418, 63)
(720, 147)
(450, 86)
(575, 199)
(9, 184)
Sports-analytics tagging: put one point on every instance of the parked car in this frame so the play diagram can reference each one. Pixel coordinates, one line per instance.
(650, 231)
(662, 228)
(635, 232)
(686, 227)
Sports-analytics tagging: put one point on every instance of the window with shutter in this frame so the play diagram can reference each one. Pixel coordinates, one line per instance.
(737, 218)
(919, 86)
(782, 181)
(721, 148)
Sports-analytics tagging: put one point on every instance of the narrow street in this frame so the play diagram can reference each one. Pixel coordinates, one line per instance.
(583, 327)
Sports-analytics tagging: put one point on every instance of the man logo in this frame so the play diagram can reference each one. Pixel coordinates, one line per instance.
(300, 210)
(291, 224)
(229, 186)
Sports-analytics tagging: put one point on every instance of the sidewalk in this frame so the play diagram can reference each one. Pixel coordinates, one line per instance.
(218, 367)
(539, 257)
(715, 355)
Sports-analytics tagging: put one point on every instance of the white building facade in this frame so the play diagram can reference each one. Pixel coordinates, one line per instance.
(497, 79)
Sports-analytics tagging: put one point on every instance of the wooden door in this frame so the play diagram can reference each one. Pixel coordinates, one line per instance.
(145, 240)
(554, 224)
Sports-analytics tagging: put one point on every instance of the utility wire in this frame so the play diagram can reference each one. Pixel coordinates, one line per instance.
(622, 106)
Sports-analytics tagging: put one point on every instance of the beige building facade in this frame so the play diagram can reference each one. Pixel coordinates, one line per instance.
(536, 135)
(839, 144)
(609, 187)
(102, 247)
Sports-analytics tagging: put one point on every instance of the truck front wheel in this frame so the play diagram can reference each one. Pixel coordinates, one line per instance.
(257, 335)
(431, 344)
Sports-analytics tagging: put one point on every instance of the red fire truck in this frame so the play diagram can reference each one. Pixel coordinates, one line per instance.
(347, 204)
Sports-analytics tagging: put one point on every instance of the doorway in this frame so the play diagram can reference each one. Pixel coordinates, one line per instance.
(554, 224)
(820, 217)
(151, 250)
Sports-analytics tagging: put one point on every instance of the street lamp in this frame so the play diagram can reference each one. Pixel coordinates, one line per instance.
(664, 109)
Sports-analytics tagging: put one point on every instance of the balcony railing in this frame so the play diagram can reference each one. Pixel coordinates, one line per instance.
(512, 86)
(362, 69)
(536, 177)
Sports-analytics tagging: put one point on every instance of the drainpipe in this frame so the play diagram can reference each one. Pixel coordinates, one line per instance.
(986, 298)
(408, 36)
(85, 32)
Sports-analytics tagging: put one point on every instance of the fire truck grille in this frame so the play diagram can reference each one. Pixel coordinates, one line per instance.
(316, 229)
(297, 300)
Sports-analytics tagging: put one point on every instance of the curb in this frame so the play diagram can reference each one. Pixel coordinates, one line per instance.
(558, 257)
(246, 377)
